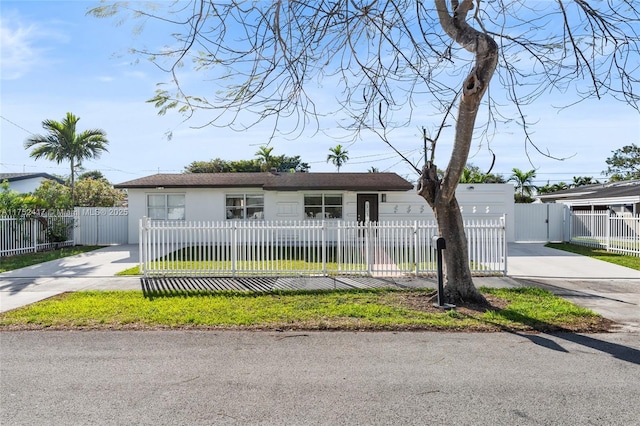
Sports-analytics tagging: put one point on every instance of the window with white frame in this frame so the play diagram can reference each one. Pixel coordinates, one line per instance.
(245, 206)
(166, 206)
(323, 206)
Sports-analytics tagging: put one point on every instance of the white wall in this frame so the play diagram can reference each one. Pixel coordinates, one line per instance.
(24, 186)
(477, 201)
(480, 201)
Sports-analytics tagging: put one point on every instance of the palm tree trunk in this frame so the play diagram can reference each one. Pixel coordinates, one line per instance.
(73, 184)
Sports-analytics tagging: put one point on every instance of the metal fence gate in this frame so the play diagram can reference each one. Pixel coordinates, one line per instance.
(101, 225)
(548, 222)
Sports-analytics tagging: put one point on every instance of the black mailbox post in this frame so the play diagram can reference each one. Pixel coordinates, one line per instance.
(439, 244)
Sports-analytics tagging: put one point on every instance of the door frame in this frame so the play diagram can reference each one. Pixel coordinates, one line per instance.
(361, 201)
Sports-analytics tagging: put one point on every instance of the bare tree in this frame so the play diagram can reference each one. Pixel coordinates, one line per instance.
(393, 59)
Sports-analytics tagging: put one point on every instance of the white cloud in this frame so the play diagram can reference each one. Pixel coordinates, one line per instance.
(23, 46)
(136, 74)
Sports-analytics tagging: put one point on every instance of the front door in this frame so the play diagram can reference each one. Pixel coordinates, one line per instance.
(367, 207)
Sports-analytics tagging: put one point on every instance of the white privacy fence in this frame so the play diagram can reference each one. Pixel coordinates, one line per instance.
(101, 225)
(616, 233)
(231, 248)
(30, 233)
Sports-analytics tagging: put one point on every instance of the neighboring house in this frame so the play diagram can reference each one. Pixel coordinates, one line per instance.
(619, 197)
(298, 196)
(26, 182)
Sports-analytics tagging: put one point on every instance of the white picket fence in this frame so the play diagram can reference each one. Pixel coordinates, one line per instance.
(617, 233)
(261, 248)
(35, 232)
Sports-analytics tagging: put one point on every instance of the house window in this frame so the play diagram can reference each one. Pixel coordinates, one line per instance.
(319, 206)
(166, 206)
(245, 206)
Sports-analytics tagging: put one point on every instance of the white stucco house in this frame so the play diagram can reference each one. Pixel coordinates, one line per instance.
(275, 196)
(26, 182)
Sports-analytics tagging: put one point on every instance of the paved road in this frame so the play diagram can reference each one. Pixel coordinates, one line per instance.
(245, 378)
(193, 378)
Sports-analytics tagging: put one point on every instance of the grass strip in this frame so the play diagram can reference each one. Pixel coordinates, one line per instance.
(380, 309)
(632, 262)
(10, 263)
(279, 267)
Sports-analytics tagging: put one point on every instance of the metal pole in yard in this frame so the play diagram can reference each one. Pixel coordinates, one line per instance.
(439, 244)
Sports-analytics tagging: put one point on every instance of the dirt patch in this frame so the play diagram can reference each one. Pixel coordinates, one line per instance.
(425, 302)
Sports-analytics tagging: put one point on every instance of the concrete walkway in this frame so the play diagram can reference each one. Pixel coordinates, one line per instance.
(611, 290)
(93, 270)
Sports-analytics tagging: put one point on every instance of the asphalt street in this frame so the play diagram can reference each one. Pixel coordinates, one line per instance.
(316, 378)
(324, 378)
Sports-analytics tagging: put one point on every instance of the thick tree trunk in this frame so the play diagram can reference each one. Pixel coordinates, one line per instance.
(440, 192)
(459, 285)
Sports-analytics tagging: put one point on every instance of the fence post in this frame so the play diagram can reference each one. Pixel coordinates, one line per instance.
(34, 235)
(141, 245)
(607, 240)
(338, 252)
(416, 248)
(324, 248)
(505, 246)
(367, 244)
(76, 227)
(234, 248)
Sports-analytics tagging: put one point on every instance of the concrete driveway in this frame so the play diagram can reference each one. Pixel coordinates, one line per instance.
(612, 291)
(534, 260)
(93, 270)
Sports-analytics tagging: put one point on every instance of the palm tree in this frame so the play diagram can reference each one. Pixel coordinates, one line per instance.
(582, 181)
(338, 156)
(62, 143)
(524, 182)
(264, 154)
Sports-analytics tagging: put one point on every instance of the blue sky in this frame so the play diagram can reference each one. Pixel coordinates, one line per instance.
(56, 59)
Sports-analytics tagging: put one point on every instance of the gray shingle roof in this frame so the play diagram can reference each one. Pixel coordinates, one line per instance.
(12, 177)
(275, 181)
(597, 191)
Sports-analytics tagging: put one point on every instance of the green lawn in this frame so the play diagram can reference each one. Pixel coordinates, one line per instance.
(10, 263)
(632, 262)
(524, 309)
(280, 267)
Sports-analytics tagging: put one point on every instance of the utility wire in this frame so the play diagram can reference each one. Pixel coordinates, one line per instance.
(17, 125)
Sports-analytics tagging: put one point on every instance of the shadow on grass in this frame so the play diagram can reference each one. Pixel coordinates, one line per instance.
(204, 286)
(153, 288)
